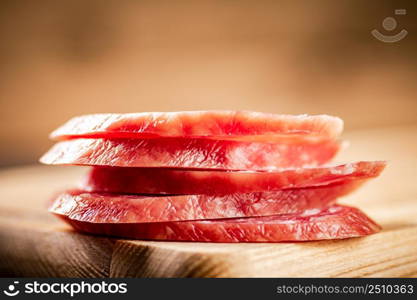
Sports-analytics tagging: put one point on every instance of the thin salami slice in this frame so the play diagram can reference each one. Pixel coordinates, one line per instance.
(114, 208)
(191, 153)
(213, 124)
(335, 222)
(210, 182)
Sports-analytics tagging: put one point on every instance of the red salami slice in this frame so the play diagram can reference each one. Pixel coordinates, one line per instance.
(191, 153)
(114, 208)
(335, 222)
(175, 181)
(213, 124)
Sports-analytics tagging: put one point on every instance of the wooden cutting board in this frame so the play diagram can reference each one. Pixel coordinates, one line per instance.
(33, 243)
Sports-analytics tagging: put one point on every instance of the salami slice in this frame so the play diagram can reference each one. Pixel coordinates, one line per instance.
(115, 208)
(335, 222)
(213, 124)
(213, 182)
(191, 153)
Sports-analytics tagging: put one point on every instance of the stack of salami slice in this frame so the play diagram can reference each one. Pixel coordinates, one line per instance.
(210, 176)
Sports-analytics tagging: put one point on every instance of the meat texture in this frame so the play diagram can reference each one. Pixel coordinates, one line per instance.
(114, 208)
(245, 125)
(192, 153)
(335, 222)
(176, 181)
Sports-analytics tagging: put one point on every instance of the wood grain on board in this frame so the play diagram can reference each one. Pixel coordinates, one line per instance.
(33, 243)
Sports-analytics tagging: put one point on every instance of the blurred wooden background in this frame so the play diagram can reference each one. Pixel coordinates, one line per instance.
(63, 58)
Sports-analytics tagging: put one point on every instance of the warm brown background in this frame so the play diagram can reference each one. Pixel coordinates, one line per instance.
(63, 58)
